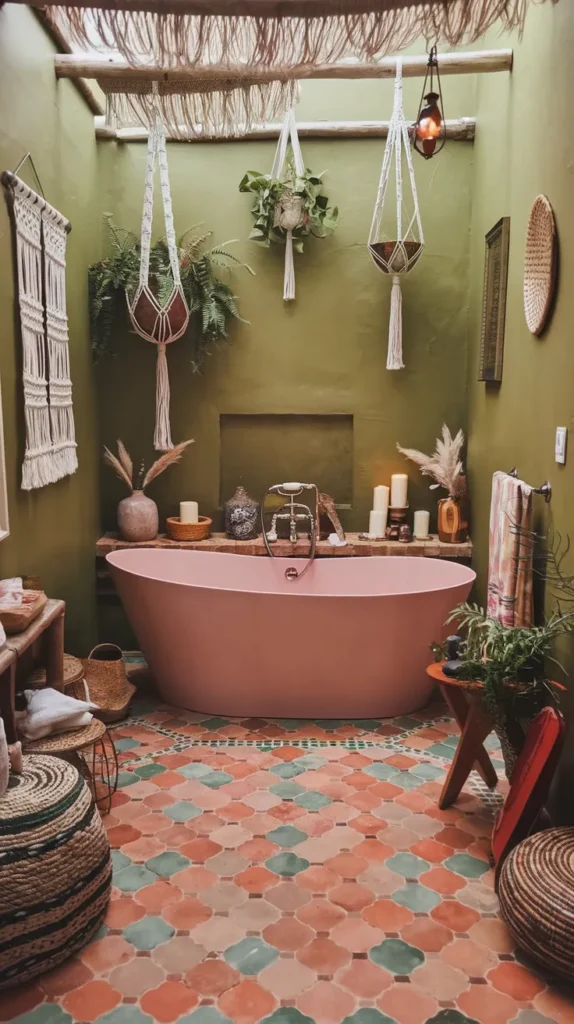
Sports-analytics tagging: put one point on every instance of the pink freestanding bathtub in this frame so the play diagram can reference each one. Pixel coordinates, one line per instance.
(229, 635)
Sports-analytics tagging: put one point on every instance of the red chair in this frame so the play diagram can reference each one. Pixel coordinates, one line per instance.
(530, 784)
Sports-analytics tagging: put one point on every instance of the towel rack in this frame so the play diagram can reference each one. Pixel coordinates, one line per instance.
(545, 489)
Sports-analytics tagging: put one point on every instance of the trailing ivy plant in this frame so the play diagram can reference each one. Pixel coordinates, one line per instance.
(210, 299)
(317, 217)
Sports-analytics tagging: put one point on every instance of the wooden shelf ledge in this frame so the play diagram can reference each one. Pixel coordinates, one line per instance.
(431, 548)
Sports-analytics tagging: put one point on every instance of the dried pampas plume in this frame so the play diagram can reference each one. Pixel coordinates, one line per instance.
(123, 466)
(444, 465)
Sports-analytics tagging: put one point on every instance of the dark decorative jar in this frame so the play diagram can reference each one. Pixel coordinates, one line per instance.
(241, 516)
(453, 520)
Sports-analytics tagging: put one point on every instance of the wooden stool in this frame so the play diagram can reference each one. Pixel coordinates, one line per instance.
(475, 726)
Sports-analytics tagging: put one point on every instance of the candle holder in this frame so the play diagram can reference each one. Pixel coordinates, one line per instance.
(397, 517)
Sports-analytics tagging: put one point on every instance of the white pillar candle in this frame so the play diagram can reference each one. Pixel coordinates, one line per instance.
(188, 512)
(380, 498)
(399, 485)
(421, 525)
(377, 523)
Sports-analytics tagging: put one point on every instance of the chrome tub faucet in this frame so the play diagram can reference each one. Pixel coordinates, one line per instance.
(295, 513)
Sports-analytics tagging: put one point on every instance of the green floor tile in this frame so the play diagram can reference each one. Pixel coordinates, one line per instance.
(313, 801)
(397, 956)
(287, 790)
(286, 835)
(149, 932)
(214, 724)
(287, 1015)
(126, 744)
(205, 1015)
(426, 771)
(416, 897)
(368, 1015)
(405, 780)
(133, 878)
(440, 750)
(48, 1013)
(251, 955)
(286, 771)
(216, 779)
(195, 770)
(380, 771)
(465, 865)
(408, 865)
(310, 762)
(452, 1017)
(166, 864)
(126, 1015)
(119, 860)
(127, 779)
(147, 771)
(286, 864)
(182, 811)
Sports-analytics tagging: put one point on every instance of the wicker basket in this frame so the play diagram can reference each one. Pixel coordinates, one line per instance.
(55, 869)
(176, 530)
(535, 893)
(19, 617)
(539, 265)
(107, 682)
(72, 682)
(61, 743)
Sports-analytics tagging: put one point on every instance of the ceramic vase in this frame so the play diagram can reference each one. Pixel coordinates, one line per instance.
(138, 518)
(241, 516)
(453, 520)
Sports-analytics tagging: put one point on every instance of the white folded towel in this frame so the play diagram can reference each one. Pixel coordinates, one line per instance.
(50, 711)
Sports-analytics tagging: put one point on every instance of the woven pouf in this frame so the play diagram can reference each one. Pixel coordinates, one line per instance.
(536, 892)
(55, 868)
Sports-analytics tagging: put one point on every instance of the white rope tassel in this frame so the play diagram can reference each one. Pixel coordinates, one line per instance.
(162, 437)
(395, 349)
(289, 278)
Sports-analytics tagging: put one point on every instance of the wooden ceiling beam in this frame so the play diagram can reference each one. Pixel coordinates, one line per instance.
(108, 70)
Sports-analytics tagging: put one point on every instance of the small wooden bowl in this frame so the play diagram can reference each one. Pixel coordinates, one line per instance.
(176, 530)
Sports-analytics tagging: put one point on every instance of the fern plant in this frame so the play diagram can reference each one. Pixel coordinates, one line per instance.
(211, 300)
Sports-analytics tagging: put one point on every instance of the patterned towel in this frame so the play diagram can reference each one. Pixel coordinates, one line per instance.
(510, 552)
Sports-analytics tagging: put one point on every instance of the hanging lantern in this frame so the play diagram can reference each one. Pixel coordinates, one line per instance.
(430, 129)
(396, 237)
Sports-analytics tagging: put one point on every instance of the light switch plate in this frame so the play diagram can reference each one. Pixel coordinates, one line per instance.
(560, 445)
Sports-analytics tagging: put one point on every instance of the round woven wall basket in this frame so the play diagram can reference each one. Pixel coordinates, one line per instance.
(55, 869)
(535, 892)
(539, 265)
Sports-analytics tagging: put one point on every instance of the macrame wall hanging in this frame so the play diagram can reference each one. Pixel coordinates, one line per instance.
(50, 448)
(160, 323)
(396, 239)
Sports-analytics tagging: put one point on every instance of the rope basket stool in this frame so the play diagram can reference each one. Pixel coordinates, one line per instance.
(92, 751)
(535, 892)
(72, 682)
(55, 869)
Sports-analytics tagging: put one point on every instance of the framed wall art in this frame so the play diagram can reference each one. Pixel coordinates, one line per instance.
(494, 301)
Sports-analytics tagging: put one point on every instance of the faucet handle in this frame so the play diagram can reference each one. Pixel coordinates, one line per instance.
(290, 487)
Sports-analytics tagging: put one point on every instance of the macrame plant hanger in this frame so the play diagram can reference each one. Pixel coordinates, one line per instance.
(397, 252)
(289, 212)
(160, 324)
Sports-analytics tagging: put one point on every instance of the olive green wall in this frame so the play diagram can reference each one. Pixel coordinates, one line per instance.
(52, 530)
(524, 147)
(326, 352)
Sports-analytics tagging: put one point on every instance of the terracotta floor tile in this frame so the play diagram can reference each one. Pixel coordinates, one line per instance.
(443, 881)
(178, 955)
(326, 1003)
(407, 1004)
(516, 981)
(287, 979)
(91, 1001)
(471, 958)
(19, 1001)
(364, 979)
(247, 1002)
(156, 897)
(136, 977)
(187, 913)
(323, 956)
(487, 1005)
(212, 977)
(123, 910)
(430, 849)
(56, 983)
(387, 915)
(288, 934)
(169, 1001)
(102, 955)
(426, 934)
(356, 935)
(321, 914)
(440, 980)
(455, 916)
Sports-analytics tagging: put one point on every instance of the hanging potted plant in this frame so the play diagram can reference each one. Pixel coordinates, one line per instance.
(504, 668)
(446, 469)
(289, 203)
(138, 518)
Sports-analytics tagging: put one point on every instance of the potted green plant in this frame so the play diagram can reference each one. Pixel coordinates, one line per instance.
(505, 668)
(211, 300)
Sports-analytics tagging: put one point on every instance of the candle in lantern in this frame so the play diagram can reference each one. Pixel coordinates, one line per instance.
(399, 485)
(380, 498)
(188, 512)
(421, 525)
(377, 523)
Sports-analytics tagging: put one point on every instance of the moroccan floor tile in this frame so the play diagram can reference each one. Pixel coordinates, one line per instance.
(290, 872)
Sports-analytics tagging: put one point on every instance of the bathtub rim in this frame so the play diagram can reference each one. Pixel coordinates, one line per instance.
(112, 556)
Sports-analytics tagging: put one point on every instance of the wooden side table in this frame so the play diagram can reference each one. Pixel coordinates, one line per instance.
(475, 726)
(42, 641)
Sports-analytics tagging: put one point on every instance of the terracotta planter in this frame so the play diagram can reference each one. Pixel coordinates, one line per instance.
(138, 518)
(453, 520)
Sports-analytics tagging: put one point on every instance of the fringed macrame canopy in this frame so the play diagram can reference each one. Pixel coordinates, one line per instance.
(267, 32)
(214, 109)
